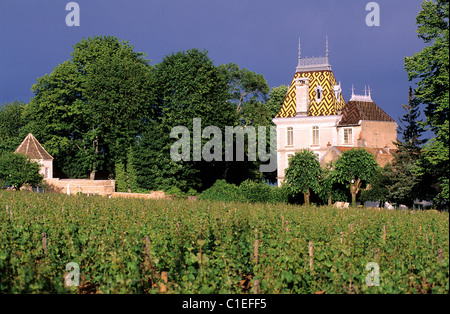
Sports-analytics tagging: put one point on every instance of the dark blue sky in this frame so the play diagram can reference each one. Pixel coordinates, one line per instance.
(260, 35)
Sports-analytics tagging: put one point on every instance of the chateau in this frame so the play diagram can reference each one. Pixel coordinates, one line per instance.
(315, 116)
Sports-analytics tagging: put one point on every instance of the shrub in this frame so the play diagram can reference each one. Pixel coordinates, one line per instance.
(173, 190)
(279, 194)
(223, 191)
(192, 192)
(247, 191)
(255, 192)
(18, 170)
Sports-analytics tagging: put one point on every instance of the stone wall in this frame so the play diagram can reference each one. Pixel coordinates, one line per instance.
(97, 187)
(151, 195)
(84, 186)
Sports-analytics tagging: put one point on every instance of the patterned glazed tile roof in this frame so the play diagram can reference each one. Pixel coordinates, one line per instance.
(33, 149)
(356, 111)
(327, 107)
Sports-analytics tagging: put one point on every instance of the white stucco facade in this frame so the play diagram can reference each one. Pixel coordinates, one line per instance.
(46, 168)
(305, 130)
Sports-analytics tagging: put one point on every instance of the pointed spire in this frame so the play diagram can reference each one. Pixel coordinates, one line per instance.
(299, 52)
(327, 51)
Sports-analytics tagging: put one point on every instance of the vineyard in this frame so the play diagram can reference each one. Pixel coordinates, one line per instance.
(182, 247)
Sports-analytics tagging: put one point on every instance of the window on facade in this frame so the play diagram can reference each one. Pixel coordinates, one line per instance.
(348, 136)
(290, 137)
(46, 173)
(315, 136)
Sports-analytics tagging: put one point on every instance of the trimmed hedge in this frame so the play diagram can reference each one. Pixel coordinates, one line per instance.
(247, 191)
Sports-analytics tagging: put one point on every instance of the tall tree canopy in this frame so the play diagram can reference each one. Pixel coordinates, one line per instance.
(91, 106)
(107, 99)
(276, 97)
(411, 128)
(430, 69)
(244, 87)
(187, 86)
(11, 124)
(401, 180)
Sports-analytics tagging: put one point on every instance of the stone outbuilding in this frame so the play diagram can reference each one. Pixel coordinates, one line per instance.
(31, 148)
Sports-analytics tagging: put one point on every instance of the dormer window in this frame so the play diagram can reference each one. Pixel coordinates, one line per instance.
(319, 94)
(337, 92)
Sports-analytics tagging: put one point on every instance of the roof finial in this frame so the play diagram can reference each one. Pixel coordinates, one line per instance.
(299, 52)
(353, 90)
(327, 52)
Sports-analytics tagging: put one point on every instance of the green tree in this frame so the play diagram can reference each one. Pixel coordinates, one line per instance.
(156, 170)
(131, 172)
(270, 109)
(378, 190)
(92, 106)
(247, 92)
(244, 87)
(187, 86)
(355, 169)
(303, 174)
(430, 68)
(410, 128)
(126, 174)
(402, 183)
(11, 123)
(18, 170)
(401, 180)
(326, 184)
(121, 178)
(276, 99)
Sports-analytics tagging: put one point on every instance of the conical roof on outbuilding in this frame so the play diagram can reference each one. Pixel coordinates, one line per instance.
(33, 149)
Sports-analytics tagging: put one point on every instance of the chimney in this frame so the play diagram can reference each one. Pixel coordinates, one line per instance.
(302, 95)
